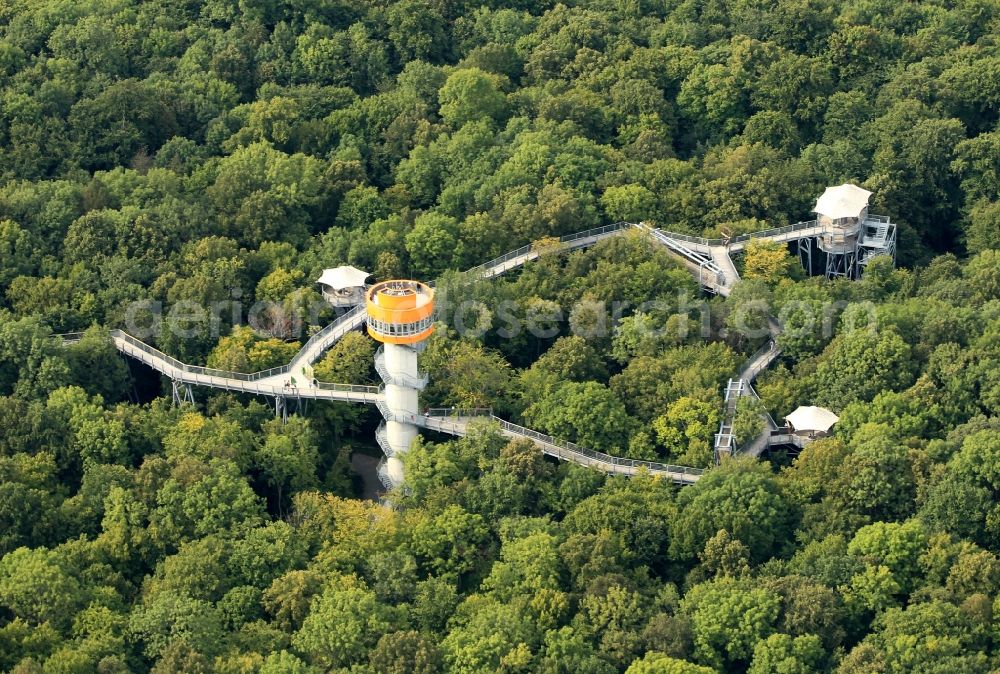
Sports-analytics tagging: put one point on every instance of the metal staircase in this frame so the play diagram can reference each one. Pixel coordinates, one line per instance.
(383, 475)
(725, 439)
(710, 274)
(382, 437)
(409, 382)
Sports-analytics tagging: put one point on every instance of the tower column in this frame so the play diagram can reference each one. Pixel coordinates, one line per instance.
(400, 315)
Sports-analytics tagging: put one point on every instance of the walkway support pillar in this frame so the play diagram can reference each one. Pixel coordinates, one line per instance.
(182, 393)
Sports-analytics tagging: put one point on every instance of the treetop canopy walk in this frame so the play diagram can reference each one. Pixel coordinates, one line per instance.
(708, 260)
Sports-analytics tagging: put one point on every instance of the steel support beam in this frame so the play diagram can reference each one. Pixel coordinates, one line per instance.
(182, 393)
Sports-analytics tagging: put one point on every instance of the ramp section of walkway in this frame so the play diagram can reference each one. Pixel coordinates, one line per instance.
(720, 256)
(270, 384)
(741, 386)
(521, 256)
(457, 422)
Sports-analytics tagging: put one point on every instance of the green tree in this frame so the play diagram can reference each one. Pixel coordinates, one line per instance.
(631, 203)
(349, 361)
(37, 589)
(686, 430)
(471, 94)
(784, 653)
(859, 364)
(288, 458)
(345, 621)
(170, 619)
(465, 374)
(729, 619)
(406, 652)
(658, 663)
(449, 543)
(748, 423)
(927, 636)
(266, 553)
(16, 249)
(584, 412)
(769, 261)
(740, 497)
(433, 243)
(897, 547)
(417, 31)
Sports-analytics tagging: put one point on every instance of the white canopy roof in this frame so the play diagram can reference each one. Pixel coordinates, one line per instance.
(842, 201)
(343, 277)
(817, 419)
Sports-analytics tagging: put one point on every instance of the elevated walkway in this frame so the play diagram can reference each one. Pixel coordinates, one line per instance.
(782, 437)
(524, 254)
(458, 422)
(290, 381)
(800, 230)
(759, 361)
(268, 383)
(708, 259)
(725, 440)
(720, 255)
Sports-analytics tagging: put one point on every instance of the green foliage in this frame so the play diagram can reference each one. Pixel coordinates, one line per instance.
(469, 95)
(172, 618)
(742, 498)
(748, 423)
(783, 653)
(344, 622)
(658, 663)
(860, 364)
(36, 589)
(768, 261)
(586, 413)
(205, 157)
(687, 429)
(730, 619)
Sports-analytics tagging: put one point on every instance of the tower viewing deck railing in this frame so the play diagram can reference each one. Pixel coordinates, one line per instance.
(743, 238)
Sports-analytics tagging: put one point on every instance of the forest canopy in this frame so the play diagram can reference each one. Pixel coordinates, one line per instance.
(167, 154)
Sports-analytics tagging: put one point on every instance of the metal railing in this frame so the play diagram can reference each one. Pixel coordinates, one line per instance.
(701, 259)
(571, 451)
(759, 361)
(348, 388)
(458, 412)
(382, 438)
(762, 234)
(783, 436)
(225, 379)
(344, 322)
(498, 262)
(195, 369)
(775, 231)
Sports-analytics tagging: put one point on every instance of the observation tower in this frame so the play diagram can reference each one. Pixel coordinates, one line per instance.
(401, 316)
(851, 236)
